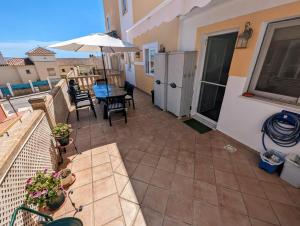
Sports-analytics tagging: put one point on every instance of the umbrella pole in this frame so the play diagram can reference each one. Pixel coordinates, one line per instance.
(104, 69)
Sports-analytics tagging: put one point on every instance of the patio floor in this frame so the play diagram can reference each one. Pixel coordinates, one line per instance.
(173, 176)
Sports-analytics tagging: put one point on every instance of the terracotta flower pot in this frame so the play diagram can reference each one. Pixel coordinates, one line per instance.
(65, 182)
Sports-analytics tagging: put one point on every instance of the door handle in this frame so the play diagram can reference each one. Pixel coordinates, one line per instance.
(157, 82)
(173, 85)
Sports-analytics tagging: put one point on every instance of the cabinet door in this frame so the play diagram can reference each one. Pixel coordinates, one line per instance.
(175, 68)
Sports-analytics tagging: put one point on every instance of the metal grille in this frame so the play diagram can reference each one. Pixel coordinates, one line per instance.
(36, 154)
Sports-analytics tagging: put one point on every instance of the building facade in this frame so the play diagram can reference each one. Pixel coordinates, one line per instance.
(42, 64)
(267, 68)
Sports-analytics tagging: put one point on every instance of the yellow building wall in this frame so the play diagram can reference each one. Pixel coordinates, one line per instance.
(142, 7)
(111, 9)
(167, 35)
(242, 58)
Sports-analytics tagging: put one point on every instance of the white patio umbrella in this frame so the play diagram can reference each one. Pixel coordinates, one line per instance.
(96, 42)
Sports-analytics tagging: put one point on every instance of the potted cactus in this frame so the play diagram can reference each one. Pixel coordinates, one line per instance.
(44, 190)
(62, 133)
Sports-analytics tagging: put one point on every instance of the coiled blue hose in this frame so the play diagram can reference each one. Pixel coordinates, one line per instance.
(282, 128)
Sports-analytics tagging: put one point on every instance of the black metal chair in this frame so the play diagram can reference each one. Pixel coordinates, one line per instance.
(116, 104)
(125, 85)
(129, 95)
(81, 100)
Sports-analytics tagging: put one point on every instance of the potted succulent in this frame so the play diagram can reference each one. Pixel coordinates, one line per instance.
(66, 177)
(62, 132)
(45, 190)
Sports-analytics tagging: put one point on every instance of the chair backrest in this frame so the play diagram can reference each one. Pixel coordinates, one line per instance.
(130, 89)
(116, 102)
(72, 92)
(126, 84)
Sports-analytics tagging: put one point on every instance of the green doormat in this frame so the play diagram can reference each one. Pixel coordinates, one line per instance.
(201, 128)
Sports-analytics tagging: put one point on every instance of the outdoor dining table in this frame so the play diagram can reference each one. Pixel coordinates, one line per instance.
(101, 94)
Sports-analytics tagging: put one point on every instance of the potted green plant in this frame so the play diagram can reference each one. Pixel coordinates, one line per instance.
(66, 177)
(62, 132)
(45, 190)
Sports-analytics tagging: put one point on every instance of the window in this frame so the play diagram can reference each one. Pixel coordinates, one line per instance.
(28, 72)
(277, 71)
(124, 6)
(63, 70)
(51, 71)
(149, 52)
(108, 23)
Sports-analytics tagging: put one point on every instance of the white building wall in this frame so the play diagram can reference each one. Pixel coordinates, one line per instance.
(217, 11)
(9, 74)
(241, 118)
(126, 22)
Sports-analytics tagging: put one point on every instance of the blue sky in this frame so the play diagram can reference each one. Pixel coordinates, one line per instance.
(26, 24)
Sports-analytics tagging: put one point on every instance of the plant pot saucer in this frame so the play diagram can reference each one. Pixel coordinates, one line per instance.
(72, 182)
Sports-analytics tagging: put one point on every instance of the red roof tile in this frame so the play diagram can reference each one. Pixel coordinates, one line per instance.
(40, 51)
(19, 61)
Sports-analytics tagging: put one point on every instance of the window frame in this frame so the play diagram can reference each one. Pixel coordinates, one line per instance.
(260, 59)
(146, 48)
(124, 7)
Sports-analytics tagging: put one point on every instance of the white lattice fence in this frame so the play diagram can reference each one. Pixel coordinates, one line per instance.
(36, 154)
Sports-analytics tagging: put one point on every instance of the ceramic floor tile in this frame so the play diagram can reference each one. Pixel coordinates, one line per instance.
(182, 186)
(185, 169)
(107, 209)
(166, 164)
(143, 173)
(180, 208)
(186, 156)
(81, 164)
(206, 214)
(150, 160)
(156, 199)
(204, 173)
(104, 187)
(130, 167)
(130, 211)
(260, 209)
(135, 156)
(172, 222)
(152, 217)
(83, 177)
(206, 192)
(100, 159)
(81, 196)
(288, 215)
(227, 180)
(230, 218)
(276, 192)
(139, 188)
(256, 222)
(102, 171)
(251, 186)
(231, 199)
(222, 164)
(162, 179)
